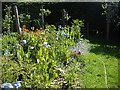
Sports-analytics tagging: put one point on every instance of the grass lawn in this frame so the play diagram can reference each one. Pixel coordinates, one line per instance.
(101, 66)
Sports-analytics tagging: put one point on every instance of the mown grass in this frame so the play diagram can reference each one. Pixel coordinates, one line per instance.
(102, 57)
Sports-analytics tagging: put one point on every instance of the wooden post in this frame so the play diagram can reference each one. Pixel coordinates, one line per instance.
(17, 20)
(42, 16)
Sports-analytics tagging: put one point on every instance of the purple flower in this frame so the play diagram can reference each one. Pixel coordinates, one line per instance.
(6, 85)
(62, 79)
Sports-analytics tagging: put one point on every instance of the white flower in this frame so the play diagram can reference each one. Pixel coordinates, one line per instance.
(18, 44)
(6, 85)
(24, 41)
(0, 38)
(31, 47)
(11, 54)
(17, 84)
(46, 44)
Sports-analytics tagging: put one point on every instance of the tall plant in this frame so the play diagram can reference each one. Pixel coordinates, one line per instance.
(8, 19)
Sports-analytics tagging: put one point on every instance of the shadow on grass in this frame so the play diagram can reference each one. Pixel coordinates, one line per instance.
(105, 48)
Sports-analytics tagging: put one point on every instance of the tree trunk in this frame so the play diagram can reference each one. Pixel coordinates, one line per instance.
(42, 17)
(17, 20)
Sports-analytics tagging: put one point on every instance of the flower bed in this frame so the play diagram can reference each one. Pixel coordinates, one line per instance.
(49, 59)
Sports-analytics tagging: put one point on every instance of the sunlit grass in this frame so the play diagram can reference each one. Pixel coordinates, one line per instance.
(93, 75)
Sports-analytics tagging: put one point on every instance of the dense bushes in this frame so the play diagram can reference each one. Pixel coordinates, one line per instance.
(50, 59)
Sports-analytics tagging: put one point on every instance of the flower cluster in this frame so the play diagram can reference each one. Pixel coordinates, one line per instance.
(81, 48)
(9, 85)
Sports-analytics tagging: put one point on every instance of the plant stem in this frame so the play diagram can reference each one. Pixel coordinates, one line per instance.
(105, 74)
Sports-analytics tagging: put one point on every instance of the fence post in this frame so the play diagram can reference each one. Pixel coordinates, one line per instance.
(42, 13)
(17, 20)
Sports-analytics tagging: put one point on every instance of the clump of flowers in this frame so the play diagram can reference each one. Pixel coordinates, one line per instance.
(81, 48)
(9, 85)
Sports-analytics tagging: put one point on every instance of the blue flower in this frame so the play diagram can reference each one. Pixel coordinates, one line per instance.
(24, 41)
(6, 85)
(47, 30)
(6, 52)
(67, 35)
(57, 37)
(17, 84)
(63, 33)
(60, 26)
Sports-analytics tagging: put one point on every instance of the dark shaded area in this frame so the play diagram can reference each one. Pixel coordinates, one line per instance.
(91, 12)
(105, 48)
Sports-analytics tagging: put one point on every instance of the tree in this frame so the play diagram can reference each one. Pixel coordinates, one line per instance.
(111, 12)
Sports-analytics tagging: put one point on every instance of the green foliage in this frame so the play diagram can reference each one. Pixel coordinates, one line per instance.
(24, 19)
(45, 12)
(8, 19)
(111, 11)
(42, 61)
